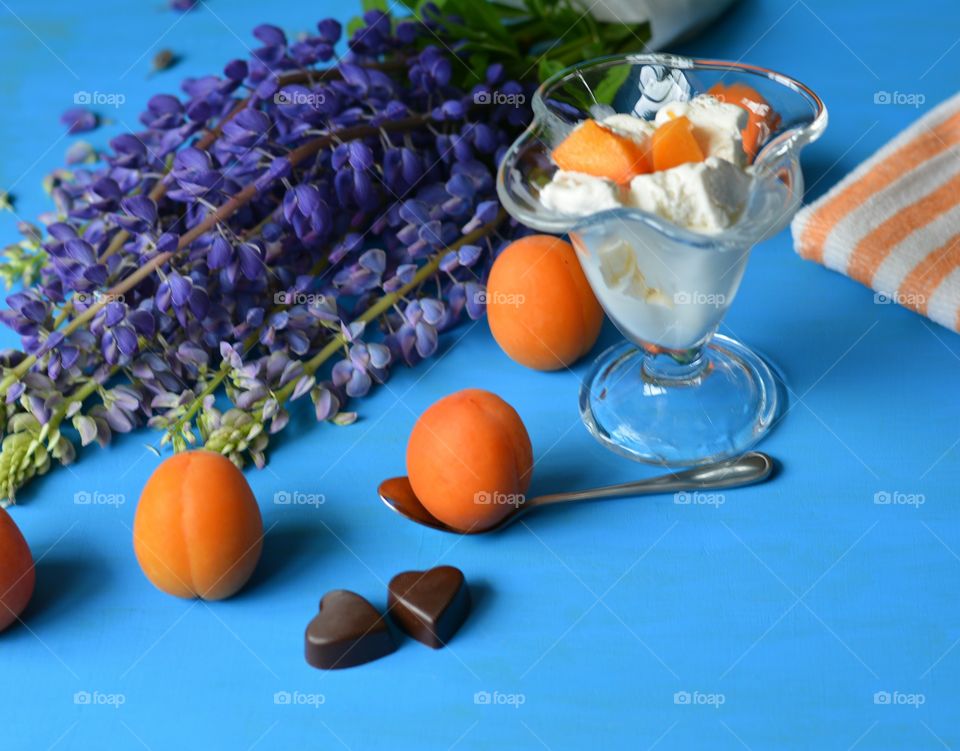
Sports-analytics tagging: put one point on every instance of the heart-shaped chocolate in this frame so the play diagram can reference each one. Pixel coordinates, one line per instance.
(430, 605)
(348, 631)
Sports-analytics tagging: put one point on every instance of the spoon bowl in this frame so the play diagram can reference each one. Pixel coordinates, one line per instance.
(397, 493)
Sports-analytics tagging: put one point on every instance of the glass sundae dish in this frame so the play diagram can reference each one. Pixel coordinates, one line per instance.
(665, 251)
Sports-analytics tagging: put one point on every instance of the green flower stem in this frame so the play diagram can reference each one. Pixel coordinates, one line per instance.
(223, 213)
(80, 395)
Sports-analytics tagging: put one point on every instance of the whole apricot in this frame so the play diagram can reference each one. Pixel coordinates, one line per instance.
(198, 530)
(469, 459)
(540, 307)
(17, 574)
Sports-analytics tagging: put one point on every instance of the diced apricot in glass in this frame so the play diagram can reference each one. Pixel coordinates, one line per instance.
(595, 150)
(762, 119)
(540, 307)
(674, 144)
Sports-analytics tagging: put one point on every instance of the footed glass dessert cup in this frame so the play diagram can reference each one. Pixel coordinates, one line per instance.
(674, 393)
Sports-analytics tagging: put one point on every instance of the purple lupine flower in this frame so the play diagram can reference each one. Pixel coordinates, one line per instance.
(79, 120)
(299, 259)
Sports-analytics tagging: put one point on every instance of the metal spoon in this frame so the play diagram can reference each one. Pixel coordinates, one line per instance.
(397, 493)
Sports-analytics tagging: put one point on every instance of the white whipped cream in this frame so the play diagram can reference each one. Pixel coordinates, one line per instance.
(703, 196)
(716, 125)
(577, 194)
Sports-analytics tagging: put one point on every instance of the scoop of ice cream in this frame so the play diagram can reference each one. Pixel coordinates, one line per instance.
(706, 196)
(633, 127)
(620, 271)
(618, 265)
(577, 194)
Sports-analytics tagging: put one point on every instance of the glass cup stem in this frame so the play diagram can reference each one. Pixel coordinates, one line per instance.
(668, 367)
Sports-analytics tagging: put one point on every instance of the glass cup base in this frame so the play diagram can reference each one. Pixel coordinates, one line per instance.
(717, 411)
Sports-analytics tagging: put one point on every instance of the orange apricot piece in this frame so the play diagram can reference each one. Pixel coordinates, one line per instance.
(675, 144)
(198, 531)
(595, 150)
(762, 119)
(17, 573)
(469, 459)
(540, 307)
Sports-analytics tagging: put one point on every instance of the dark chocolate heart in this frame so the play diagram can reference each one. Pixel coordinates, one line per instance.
(348, 631)
(430, 605)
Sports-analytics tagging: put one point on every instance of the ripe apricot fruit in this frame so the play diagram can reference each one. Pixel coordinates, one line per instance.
(674, 144)
(17, 575)
(540, 307)
(595, 150)
(469, 459)
(197, 530)
(762, 119)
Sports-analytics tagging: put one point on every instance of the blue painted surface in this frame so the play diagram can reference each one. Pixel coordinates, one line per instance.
(792, 603)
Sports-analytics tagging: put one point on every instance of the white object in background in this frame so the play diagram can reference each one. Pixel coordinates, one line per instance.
(669, 19)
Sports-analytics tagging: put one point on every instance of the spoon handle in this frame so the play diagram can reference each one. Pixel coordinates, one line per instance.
(744, 470)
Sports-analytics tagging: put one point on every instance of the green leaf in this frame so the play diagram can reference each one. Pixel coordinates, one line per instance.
(354, 25)
(479, 61)
(547, 67)
(485, 16)
(369, 5)
(610, 84)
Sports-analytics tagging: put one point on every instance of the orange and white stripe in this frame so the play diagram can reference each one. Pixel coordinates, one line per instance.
(894, 222)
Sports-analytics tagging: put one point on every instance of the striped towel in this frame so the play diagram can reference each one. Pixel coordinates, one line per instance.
(894, 222)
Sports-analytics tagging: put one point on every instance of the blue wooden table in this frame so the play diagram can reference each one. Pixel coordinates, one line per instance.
(798, 614)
